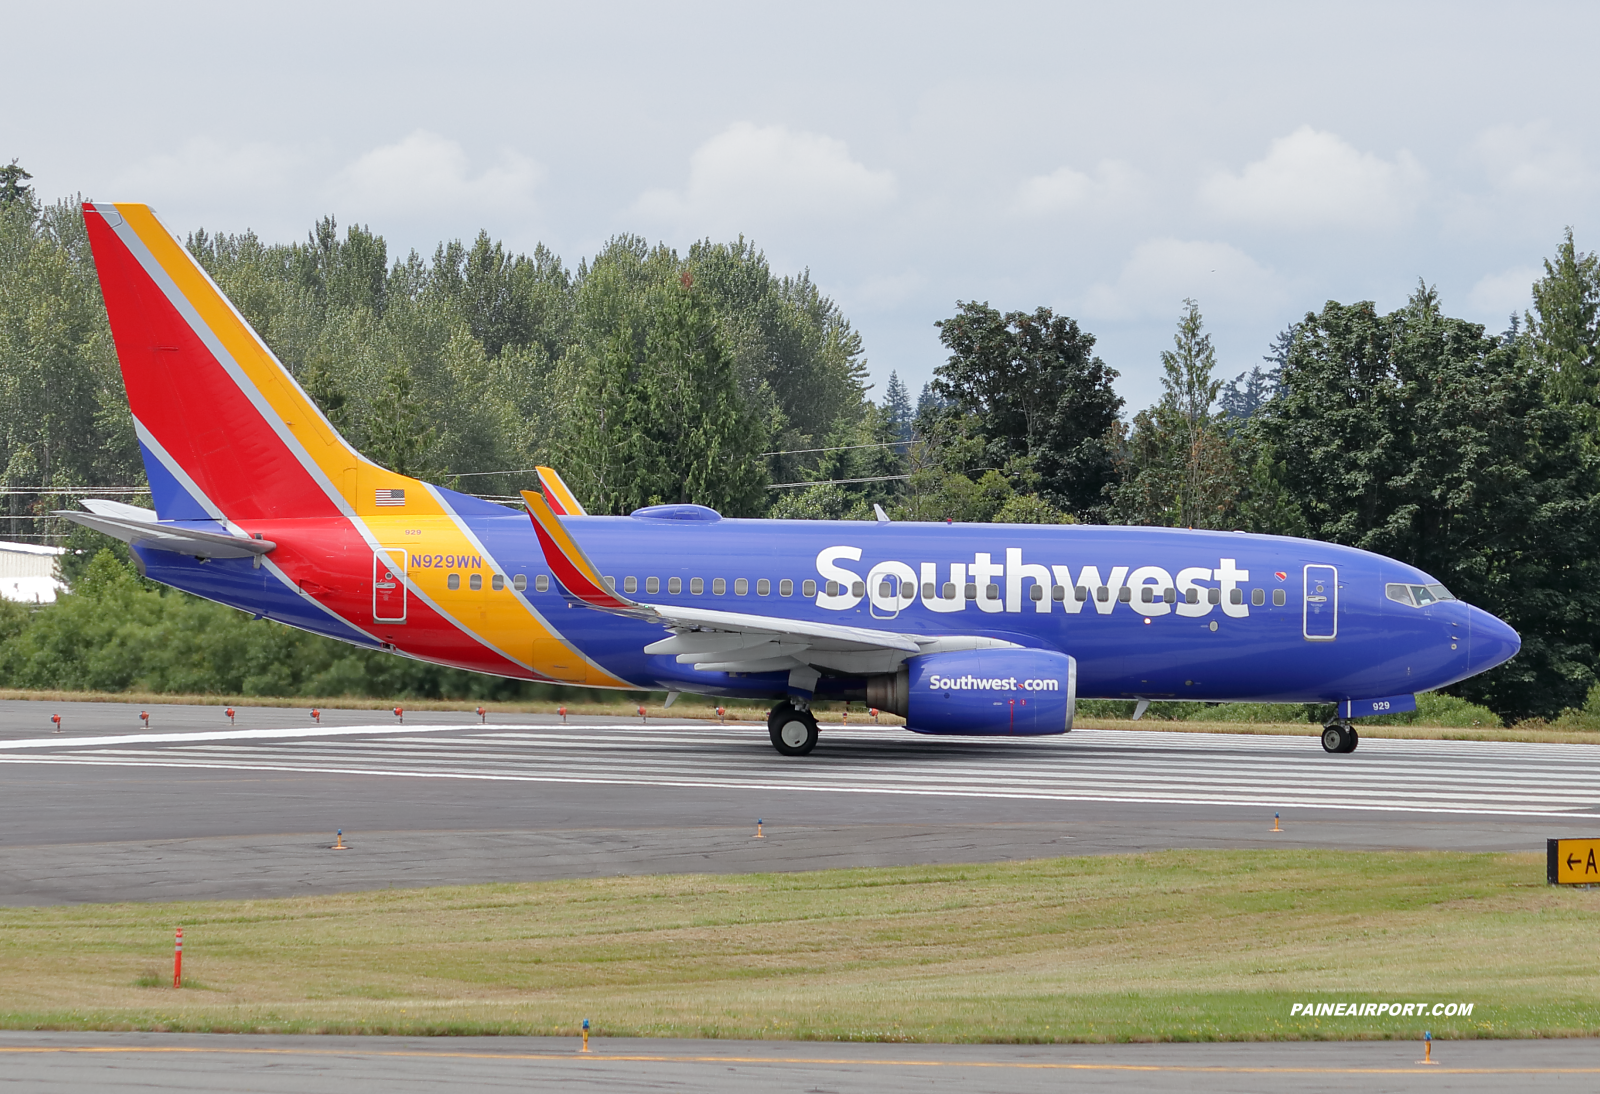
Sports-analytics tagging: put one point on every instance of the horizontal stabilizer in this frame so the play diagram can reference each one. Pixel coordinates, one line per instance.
(170, 535)
(559, 496)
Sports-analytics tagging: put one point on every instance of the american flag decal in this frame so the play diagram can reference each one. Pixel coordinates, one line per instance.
(389, 497)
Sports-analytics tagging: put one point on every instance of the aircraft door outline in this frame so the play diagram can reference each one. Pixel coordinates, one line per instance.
(389, 585)
(1319, 613)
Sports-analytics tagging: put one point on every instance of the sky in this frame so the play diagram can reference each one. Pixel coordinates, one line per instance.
(1106, 161)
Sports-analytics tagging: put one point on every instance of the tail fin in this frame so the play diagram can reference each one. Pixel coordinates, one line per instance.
(223, 427)
(558, 495)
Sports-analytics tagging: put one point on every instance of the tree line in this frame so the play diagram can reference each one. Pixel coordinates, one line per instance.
(648, 375)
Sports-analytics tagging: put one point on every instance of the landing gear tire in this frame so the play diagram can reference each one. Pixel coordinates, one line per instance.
(793, 732)
(1340, 738)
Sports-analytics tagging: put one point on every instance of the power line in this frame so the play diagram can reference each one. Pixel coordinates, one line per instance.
(838, 482)
(841, 448)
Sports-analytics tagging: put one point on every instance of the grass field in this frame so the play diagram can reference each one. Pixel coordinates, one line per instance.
(1169, 946)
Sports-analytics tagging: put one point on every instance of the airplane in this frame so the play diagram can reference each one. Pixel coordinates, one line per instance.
(967, 629)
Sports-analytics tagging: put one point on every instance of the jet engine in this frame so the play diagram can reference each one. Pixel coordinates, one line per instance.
(982, 692)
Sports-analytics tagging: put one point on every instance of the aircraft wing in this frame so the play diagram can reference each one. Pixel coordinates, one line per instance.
(140, 527)
(718, 641)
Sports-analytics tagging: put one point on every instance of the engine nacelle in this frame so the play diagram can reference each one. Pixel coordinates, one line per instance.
(982, 692)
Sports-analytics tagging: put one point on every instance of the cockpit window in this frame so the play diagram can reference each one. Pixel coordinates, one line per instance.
(1417, 596)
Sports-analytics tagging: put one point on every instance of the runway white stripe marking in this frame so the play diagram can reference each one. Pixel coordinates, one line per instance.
(1138, 767)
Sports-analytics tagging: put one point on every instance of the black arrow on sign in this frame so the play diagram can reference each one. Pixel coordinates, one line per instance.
(1572, 862)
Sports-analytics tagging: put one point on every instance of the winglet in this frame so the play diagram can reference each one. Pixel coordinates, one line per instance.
(567, 561)
(556, 493)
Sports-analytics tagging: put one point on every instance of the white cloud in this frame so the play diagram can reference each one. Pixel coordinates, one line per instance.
(749, 175)
(1313, 179)
(1498, 295)
(1067, 190)
(1533, 159)
(1160, 273)
(425, 172)
(207, 171)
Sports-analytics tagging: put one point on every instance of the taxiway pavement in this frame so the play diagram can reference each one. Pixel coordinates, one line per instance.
(113, 1062)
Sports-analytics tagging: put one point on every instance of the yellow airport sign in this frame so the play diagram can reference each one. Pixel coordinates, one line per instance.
(1573, 862)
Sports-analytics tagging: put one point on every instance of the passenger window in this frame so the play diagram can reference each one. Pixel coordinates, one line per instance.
(1103, 593)
(1235, 596)
(674, 585)
(475, 583)
(1058, 592)
(611, 583)
(497, 582)
(831, 588)
(949, 590)
(1258, 597)
(928, 592)
(542, 583)
(697, 586)
(630, 584)
(970, 591)
(809, 589)
(1278, 598)
(1191, 596)
(1147, 594)
(1036, 593)
(520, 583)
(1170, 596)
(453, 581)
(1125, 595)
(741, 587)
(763, 587)
(858, 588)
(1213, 596)
(719, 586)
(886, 588)
(786, 588)
(1081, 593)
(652, 584)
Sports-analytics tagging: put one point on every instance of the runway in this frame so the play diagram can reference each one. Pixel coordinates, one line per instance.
(113, 1062)
(196, 807)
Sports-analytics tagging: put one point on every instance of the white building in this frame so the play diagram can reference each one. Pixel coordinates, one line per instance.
(28, 573)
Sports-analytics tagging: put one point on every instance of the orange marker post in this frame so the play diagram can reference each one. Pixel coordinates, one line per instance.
(483, 716)
(1427, 1049)
(1275, 827)
(229, 713)
(144, 716)
(874, 712)
(400, 713)
(177, 961)
(722, 713)
(642, 718)
(585, 1047)
(316, 715)
(758, 835)
(56, 718)
(563, 712)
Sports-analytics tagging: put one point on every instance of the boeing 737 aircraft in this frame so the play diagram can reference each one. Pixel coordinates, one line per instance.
(960, 628)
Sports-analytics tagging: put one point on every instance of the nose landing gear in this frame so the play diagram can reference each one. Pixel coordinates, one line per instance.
(1340, 737)
(793, 731)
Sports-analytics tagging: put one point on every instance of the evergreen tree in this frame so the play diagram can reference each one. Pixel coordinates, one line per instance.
(1563, 332)
(1178, 467)
(1414, 435)
(897, 407)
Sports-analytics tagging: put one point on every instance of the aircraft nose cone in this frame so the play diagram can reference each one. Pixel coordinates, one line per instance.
(1490, 641)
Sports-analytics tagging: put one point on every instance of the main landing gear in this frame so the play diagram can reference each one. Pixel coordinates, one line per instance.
(1340, 737)
(793, 731)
